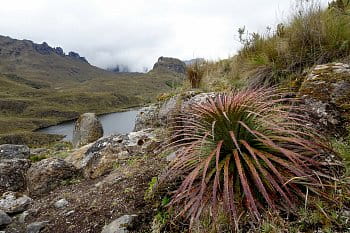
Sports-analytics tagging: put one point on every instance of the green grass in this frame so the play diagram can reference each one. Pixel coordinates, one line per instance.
(40, 90)
(342, 146)
(311, 35)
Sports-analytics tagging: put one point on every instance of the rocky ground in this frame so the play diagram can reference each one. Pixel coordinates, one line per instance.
(108, 180)
(102, 186)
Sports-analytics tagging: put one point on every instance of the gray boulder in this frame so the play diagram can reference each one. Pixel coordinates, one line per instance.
(12, 174)
(9, 151)
(96, 159)
(326, 91)
(11, 203)
(4, 218)
(47, 174)
(120, 225)
(62, 203)
(36, 227)
(147, 118)
(87, 129)
(164, 113)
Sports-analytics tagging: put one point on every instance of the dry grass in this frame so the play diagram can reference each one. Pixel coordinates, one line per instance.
(312, 35)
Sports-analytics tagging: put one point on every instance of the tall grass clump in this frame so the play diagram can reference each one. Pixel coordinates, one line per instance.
(195, 73)
(311, 36)
(244, 153)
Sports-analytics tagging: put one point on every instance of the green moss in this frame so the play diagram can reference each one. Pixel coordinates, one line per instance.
(37, 158)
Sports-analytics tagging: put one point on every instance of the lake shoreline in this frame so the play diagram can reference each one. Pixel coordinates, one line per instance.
(115, 122)
(97, 114)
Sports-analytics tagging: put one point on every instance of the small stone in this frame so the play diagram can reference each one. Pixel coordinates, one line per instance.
(171, 157)
(346, 213)
(10, 203)
(36, 227)
(25, 214)
(4, 218)
(70, 212)
(120, 225)
(61, 203)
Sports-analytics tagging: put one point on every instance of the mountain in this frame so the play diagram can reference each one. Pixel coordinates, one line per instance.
(41, 85)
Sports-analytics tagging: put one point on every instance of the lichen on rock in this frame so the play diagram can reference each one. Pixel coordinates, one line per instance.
(326, 90)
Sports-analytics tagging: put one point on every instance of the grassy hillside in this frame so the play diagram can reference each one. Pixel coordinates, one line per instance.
(39, 87)
(310, 36)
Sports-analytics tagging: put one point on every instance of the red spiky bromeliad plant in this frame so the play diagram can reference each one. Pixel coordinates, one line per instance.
(246, 152)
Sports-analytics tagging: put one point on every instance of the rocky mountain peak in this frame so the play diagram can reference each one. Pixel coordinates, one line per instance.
(9, 46)
(170, 64)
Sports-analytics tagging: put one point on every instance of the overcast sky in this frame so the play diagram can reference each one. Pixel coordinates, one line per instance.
(137, 32)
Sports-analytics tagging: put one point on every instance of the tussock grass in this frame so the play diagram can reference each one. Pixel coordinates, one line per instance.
(195, 74)
(312, 35)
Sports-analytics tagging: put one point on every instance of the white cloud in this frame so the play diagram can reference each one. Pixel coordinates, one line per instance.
(137, 32)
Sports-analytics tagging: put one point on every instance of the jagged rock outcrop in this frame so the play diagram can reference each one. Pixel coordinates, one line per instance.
(326, 90)
(45, 49)
(47, 174)
(170, 64)
(96, 159)
(88, 128)
(76, 56)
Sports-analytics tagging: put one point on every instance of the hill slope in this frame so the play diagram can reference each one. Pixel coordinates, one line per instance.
(41, 85)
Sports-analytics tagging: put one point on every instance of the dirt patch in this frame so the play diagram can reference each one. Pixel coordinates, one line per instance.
(95, 203)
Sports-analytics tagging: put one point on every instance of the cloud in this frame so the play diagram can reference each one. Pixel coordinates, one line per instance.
(137, 32)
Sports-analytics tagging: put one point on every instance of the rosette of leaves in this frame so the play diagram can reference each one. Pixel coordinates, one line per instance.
(245, 153)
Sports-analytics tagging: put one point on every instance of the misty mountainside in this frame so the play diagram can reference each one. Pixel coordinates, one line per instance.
(41, 86)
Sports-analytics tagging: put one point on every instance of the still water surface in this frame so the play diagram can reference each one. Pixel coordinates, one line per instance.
(118, 122)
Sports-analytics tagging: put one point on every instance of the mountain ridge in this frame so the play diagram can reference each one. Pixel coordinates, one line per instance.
(50, 86)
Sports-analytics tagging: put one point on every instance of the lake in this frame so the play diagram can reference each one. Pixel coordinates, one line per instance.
(118, 122)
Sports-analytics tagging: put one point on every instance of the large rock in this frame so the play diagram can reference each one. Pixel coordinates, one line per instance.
(12, 174)
(36, 227)
(164, 113)
(87, 129)
(170, 64)
(326, 90)
(99, 158)
(4, 218)
(11, 202)
(120, 225)
(147, 118)
(47, 174)
(9, 151)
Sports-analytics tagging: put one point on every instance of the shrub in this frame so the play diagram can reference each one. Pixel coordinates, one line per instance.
(244, 153)
(311, 36)
(195, 74)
